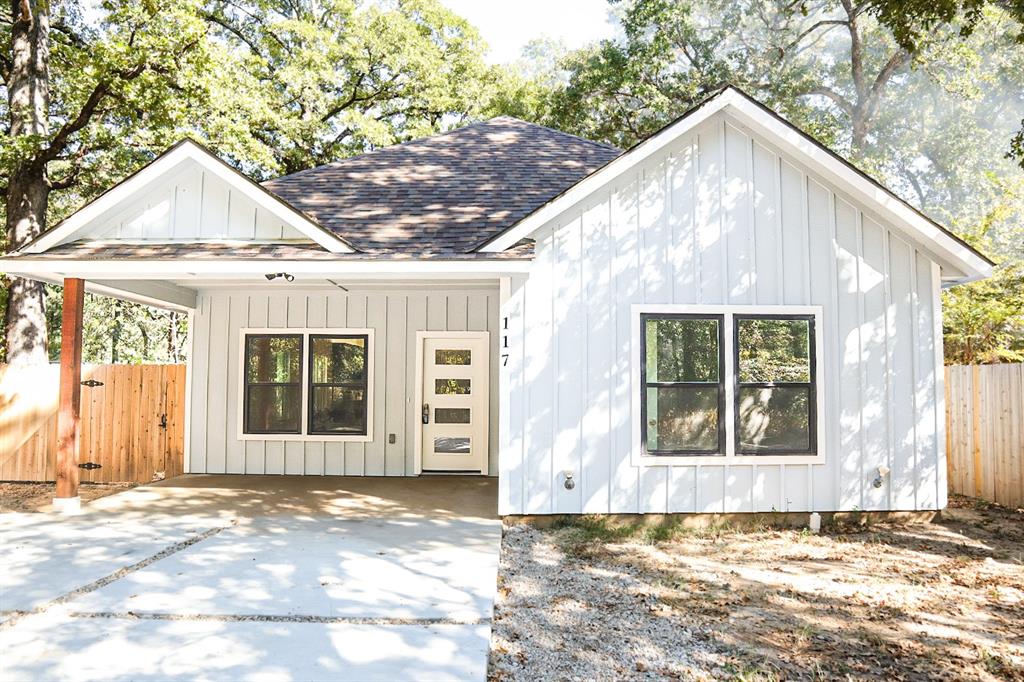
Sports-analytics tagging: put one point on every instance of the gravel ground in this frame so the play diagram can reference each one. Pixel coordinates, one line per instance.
(34, 497)
(936, 601)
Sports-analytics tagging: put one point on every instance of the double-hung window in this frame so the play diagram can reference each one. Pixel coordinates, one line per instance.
(683, 405)
(721, 383)
(775, 384)
(306, 384)
(337, 384)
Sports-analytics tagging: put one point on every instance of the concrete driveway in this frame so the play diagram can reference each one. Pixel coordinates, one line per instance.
(261, 578)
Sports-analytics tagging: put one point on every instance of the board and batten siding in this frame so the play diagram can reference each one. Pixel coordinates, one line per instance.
(193, 204)
(395, 315)
(721, 217)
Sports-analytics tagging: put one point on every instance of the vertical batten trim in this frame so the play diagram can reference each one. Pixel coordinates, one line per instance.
(834, 300)
(861, 367)
(890, 335)
(695, 228)
(384, 402)
(724, 273)
(190, 344)
(751, 222)
(174, 212)
(805, 232)
(553, 349)
(915, 369)
(612, 361)
(941, 471)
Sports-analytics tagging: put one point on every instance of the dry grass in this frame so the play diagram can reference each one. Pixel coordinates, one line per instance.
(35, 497)
(933, 601)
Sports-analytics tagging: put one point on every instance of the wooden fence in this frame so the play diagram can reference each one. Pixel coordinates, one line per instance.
(985, 432)
(133, 425)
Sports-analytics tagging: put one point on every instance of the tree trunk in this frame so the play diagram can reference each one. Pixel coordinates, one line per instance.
(28, 190)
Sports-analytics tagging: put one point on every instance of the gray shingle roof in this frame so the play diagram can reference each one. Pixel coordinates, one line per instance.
(443, 194)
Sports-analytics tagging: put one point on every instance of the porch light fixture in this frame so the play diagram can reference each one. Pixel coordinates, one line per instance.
(274, 275)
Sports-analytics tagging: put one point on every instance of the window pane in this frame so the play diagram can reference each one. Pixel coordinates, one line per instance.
(451, 386)
(338, 360)
(774, 419)
(682, 350)
(462, 356)
(451, 415)
(774, 350)
(273, 409)
(338, 410)
(682, 418)
(451, 446)
(274, 359)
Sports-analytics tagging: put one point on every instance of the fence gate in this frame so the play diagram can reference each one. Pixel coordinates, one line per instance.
(132, 423)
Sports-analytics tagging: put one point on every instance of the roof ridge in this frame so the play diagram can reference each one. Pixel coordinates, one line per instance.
(578, 138)
(379, 150)
(337, 162)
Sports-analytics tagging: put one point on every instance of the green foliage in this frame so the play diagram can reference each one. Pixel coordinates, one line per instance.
(774, 350)
(682, 350)
(929, 117)
(272, 86)
(983, 322)
(313, 82)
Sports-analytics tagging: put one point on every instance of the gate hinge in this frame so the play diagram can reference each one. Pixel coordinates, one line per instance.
(90, 466)
(92, 383)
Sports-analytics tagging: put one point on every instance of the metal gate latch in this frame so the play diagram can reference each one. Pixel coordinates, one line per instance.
(92, 383)
(163, 421)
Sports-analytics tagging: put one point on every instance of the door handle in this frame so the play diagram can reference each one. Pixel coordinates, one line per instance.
(426, 413)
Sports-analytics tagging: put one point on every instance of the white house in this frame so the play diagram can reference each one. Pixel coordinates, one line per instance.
(725, 318)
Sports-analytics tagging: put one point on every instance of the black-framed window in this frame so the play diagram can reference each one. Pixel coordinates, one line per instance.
(775, 385)
(273, 383)
(338, 389)
(682, 408)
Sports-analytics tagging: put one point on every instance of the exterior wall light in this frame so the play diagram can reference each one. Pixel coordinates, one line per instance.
(569, 483)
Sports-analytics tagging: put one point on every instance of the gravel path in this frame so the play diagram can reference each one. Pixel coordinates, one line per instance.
(936, 601)
(558, 617)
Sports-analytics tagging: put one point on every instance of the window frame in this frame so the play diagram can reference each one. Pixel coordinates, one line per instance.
(812, 385)
(645, 384)
(304, 435)
(364, 384)
(639, 456)
(247, 385)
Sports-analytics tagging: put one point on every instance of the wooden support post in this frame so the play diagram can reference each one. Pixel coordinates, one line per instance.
(70, 405)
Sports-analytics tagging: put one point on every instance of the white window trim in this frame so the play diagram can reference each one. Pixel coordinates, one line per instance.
(305, 332)
(640, 459)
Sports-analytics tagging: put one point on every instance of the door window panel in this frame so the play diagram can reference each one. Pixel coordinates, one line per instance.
(447, 445)
(452, 415)
(452, 386)
(456, 356)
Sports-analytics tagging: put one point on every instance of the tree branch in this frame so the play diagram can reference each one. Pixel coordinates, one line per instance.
(85, 114)
(839, 100)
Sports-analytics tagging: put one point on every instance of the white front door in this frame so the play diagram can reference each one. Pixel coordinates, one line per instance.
(454, 400)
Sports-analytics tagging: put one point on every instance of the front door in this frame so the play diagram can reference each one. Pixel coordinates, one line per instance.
(454, 400)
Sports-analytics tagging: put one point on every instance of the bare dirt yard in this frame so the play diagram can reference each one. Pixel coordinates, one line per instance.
(33, 497)
(929, 601)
